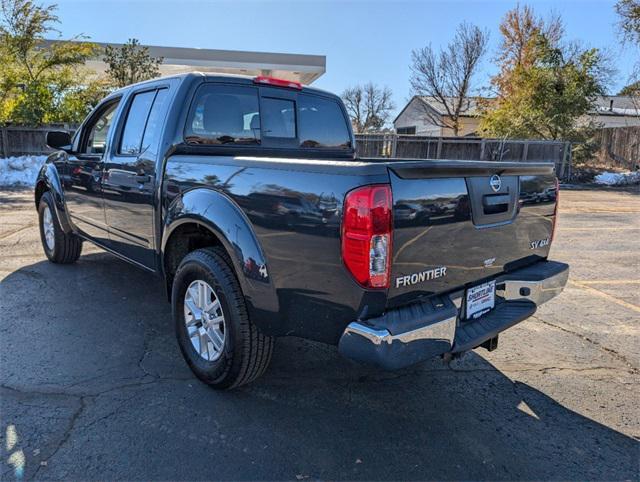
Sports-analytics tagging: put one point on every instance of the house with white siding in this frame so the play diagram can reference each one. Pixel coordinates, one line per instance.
(427, 116)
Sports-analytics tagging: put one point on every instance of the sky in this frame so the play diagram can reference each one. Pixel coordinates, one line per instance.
(362, 40)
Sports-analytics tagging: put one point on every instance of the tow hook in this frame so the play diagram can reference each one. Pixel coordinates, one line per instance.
(449, 358)
(491, 344)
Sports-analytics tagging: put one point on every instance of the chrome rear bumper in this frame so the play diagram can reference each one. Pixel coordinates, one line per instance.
(414, 333)
(513, 287)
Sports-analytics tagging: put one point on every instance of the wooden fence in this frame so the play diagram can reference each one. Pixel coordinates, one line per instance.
(25, 141)
(619, 147)
(16, 141)
(470, 148)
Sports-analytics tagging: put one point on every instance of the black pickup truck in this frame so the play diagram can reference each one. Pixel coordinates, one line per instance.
(245, 195)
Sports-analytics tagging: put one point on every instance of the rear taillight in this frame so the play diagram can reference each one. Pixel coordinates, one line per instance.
(366, 235)
(555, 211)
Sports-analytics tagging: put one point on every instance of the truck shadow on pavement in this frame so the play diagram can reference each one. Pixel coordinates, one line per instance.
(94, 387)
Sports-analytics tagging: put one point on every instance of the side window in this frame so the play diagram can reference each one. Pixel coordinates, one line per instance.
(278, 118)
(97, 132)
(406, 130)
(135, 123)
(224, 114)
(321, 123)
(154, 123)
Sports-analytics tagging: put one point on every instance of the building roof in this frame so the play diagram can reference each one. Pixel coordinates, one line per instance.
(470, 107)
(616, 105)
(298, 67)
(619, 105)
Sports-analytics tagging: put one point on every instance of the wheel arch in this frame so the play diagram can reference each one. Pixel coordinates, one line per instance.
(49, 180)
(204, 217)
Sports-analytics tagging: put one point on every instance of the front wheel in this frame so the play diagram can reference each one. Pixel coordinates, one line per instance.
(59, 247)
(216, 337)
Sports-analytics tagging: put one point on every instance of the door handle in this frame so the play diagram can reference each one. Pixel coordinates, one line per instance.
(495, 199)
(142, 178)
(495, 203)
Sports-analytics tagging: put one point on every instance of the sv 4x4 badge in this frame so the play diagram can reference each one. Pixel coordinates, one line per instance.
(539, 243)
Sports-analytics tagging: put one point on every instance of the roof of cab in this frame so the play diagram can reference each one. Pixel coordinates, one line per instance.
(241, 79)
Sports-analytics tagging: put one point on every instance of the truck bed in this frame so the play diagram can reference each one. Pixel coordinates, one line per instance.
(295, 206)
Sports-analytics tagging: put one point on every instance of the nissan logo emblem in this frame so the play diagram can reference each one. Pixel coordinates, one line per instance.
(495, 182)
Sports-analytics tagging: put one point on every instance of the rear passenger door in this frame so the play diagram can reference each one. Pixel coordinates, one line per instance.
(130, 175)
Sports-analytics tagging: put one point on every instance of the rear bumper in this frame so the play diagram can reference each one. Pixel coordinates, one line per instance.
(414, 333)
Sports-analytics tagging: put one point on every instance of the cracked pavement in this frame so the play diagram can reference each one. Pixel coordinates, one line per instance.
(93, 385)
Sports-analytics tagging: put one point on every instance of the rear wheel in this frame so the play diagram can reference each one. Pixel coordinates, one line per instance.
(217, 339)
(59, 247)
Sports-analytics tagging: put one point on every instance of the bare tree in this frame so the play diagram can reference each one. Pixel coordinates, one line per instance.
(446, 76)
(368, 106)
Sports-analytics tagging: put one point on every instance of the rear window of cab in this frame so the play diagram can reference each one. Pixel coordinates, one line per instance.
(237, 115)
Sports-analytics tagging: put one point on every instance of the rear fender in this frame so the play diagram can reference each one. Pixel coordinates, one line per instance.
(225, 219)
(49, 179)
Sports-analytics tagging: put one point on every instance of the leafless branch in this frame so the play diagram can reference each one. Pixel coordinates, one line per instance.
(368, 106)
(446, 76)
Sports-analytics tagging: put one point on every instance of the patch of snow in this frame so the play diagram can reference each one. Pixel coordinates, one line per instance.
(618, 178)
(20, 171)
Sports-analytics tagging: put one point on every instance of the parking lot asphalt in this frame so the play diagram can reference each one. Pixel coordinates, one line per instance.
(93, 385)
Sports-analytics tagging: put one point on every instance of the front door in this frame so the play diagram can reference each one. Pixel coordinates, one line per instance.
(130, 177)
(82, 177)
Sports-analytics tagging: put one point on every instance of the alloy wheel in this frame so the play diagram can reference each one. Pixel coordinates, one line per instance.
(47, 225)
(204, 320)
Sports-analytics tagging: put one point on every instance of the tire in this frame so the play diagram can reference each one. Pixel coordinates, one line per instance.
(59, 247)
(244, 353)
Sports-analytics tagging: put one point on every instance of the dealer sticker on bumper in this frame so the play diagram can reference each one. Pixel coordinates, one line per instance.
(481, 299)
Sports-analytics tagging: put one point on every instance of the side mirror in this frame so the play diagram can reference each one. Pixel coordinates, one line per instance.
(60, 140)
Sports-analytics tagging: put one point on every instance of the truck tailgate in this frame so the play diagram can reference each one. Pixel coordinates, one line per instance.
(459, 222)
